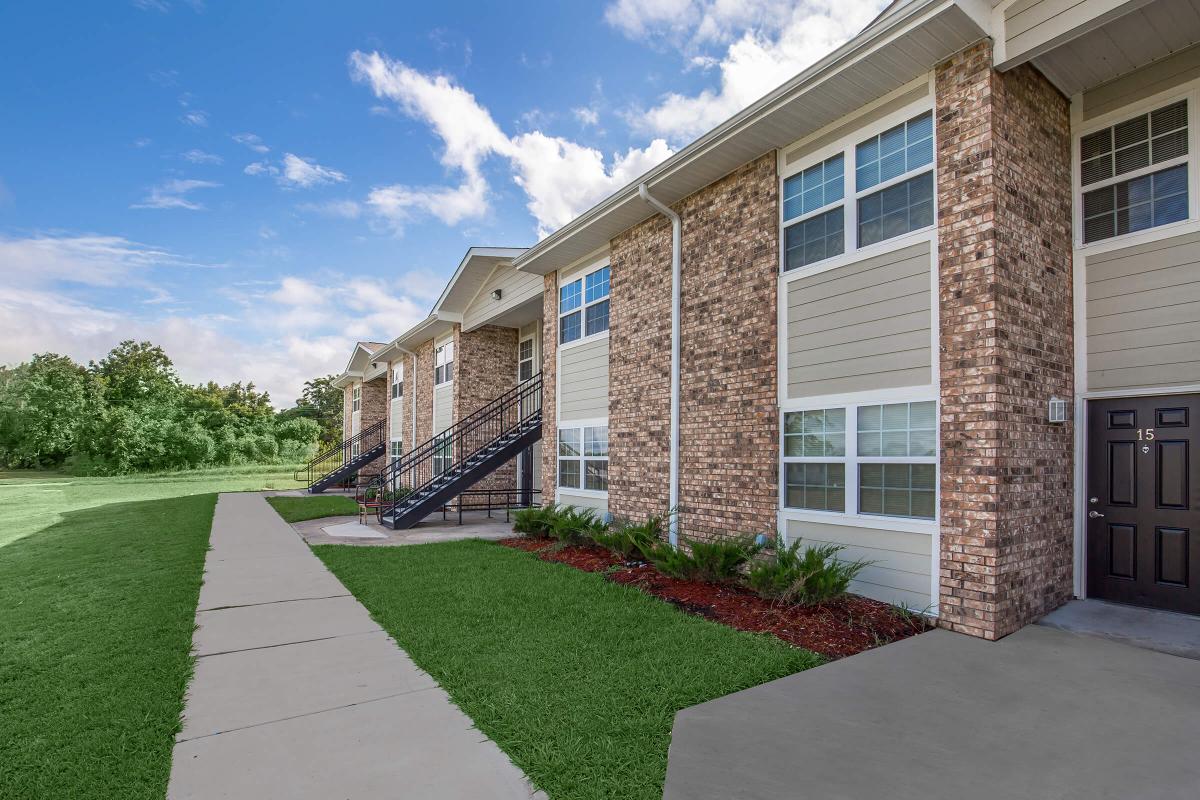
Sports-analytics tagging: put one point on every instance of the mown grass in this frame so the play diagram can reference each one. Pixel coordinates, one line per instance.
(298, 509)
(96, 620)
(576, 678)
(99, 580)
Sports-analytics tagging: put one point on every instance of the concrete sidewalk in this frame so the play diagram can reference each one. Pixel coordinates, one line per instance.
(298, 693)
(1040, 714)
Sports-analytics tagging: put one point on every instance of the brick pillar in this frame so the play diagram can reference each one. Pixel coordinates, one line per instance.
(374, 409)
(1006, 327)
(485, 368)
(549, 385)
(423, 381)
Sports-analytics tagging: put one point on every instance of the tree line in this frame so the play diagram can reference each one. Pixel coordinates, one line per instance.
(130, 412)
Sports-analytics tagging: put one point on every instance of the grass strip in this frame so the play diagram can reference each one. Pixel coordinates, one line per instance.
(298, 509)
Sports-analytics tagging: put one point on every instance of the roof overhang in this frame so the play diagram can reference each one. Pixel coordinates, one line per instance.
(470, 276)
(904, 43)
(361, 365)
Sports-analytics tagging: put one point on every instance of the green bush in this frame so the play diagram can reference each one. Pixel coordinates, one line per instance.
(718, 561)
(811, 577)
(537, 521)
(630, 540)
(576, 525)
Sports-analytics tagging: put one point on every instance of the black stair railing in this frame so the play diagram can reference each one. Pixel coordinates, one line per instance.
(445, 455)
(342, 453)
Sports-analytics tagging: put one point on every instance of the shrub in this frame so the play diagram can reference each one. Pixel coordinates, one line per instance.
(630, 540)
(674, 562)
(810, 577)
(576, 525)
(719, 561)
(537, 521)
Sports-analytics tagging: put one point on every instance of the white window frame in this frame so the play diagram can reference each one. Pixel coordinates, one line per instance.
(532, 339)
(395, 449)
(851, 516)
(443, 356)
(443, 456)
(583, 306)
(356, 398)
(397, 382)
(847, 146)
(1189, 92)
(581, 459)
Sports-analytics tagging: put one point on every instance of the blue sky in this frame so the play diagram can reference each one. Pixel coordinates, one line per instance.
(255, 186)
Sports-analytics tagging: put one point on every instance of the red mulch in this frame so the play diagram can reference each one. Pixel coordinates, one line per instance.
(840, 628)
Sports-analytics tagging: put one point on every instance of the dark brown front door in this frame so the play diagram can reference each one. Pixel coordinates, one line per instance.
(1143, 503)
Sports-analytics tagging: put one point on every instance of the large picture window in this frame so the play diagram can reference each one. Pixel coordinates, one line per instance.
(443, 363)
(583, 458)
(868, 459)
(891, 194)
(583, 306)
(1134, 174)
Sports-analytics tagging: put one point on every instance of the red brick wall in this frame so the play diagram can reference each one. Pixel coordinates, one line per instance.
(423, 380)
(728, 378)
(1004, 241)
(486, 367)
(374, 409)
(549, 386)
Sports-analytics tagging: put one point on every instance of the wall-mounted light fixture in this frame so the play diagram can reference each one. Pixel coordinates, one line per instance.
(496, 293)
(1057, 410)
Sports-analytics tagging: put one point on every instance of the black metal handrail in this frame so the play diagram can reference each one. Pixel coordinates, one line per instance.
(448, 450)
(342, 453)
(467, 501)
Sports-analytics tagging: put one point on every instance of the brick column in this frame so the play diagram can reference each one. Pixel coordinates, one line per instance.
(374, 409)
(549, 386)
(485, 368)
(1006, 326)
(423, 381)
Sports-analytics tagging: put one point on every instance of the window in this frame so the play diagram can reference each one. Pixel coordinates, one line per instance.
(583, 306)
(443, 456)
(525, 360)
(397, 382)
(892, 195)
(443, 363)
(890, 460)
(1139, 170)
(583, 458)
(814, 237)
(901, 207)
(354, 449)
(396, 450)
(356, 398)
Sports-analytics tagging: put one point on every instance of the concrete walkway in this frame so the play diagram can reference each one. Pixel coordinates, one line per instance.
(298, 693)
(1040, 714)
(476, 525)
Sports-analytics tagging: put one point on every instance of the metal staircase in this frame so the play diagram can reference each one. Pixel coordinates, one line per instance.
(429, 476)
(344, 458)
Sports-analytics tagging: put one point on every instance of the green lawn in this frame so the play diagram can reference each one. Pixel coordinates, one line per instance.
(99, 580)
(576, 678)
(298, 509)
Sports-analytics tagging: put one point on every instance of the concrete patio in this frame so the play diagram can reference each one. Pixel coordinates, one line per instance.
(475, 525)
(298, 693)
(1041, 714)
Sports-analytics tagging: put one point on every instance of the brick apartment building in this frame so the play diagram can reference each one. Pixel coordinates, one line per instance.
(937, 301)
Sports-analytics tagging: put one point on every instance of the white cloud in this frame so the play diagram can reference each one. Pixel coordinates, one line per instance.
(251, 140)
(196, 118)
(261, 168)
(200, 157)
(586, 116)
(766, 42)
(305, 173)
(343, 209)
(277, 333)
(560, 177)
(173, 194)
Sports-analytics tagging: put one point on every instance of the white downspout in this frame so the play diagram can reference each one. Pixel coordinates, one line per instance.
(676, 261)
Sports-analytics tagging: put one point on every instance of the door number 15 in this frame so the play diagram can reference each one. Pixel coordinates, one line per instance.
(1145, 434)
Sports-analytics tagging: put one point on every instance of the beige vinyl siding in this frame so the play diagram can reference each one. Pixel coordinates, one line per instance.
(515, 288)
(900, 573)
(863, 326)
(1143, 315)
(1160, 76)
(583, 381)
(443, 407)
(1030, 25)
(582, 501)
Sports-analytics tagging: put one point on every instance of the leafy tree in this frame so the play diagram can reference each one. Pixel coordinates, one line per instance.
(43, 405)
(321, 401)
(136, 373)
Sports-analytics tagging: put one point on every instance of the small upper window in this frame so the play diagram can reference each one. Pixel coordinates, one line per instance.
(397, 382)
(823, 235)
(443, 363)
(525, 360)
(356, 398)
(583, 306)
(898, 150)
(1120, 161)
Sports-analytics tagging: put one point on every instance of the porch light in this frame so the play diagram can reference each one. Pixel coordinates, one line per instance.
(496, 294)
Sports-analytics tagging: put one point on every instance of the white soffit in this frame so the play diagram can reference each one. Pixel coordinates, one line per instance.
(904, 44)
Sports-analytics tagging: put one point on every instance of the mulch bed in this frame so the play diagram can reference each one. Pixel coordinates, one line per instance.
(836, 629)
